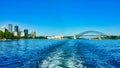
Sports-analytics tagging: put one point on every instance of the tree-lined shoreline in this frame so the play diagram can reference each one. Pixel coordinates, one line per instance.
(9, 36)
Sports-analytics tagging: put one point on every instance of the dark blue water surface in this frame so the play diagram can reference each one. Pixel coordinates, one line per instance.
(60, 54)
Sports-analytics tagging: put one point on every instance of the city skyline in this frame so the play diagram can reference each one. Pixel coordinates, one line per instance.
(54, 17)
(17, 32)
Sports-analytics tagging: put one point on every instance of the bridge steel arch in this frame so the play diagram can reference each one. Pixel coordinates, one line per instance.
(85, 32)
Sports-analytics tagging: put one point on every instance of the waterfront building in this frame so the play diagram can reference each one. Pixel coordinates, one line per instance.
(10, 28)
(22, 34)
(55, 37)
(16, 33)
(15, 28)
(33, 34)
(3, 29)
(26, 32)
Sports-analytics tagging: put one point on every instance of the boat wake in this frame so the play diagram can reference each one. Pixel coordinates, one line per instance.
(63, 57)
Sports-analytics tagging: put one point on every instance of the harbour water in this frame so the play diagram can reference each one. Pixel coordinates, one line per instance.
(60, 54)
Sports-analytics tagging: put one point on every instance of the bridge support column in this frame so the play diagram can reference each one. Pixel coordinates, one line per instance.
(75, 37)
(109, 35)
(99, 38)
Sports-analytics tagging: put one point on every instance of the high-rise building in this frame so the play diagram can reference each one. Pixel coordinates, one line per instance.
(32, 34)
(22, 34)
(16, 34)
(26, 32)
(15, 28)
(10, 28)
(3, 29)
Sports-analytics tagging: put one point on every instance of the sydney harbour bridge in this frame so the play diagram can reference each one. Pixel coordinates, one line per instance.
(87, 34)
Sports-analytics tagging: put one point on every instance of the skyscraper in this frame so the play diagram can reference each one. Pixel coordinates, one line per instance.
(3, 29)
(10, 28)
(26, 32)
(16, 34)
(22, 34)
(33, 34)
(15, 28)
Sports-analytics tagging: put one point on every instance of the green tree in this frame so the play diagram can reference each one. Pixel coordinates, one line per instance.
(7, 35)
(1, 34)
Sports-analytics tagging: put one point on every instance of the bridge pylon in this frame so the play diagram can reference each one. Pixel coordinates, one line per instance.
(99, 38)
(109, 35)
(75, 36)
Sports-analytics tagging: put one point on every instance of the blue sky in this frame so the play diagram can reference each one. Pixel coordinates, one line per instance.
(54, 17)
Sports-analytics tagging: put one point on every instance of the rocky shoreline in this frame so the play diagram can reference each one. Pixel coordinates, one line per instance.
(3, 40)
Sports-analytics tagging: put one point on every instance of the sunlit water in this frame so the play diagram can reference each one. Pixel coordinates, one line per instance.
(60, 54)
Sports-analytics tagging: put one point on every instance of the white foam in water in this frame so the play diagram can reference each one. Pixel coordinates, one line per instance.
(59, 59)
(74, 63)
(51, 61)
